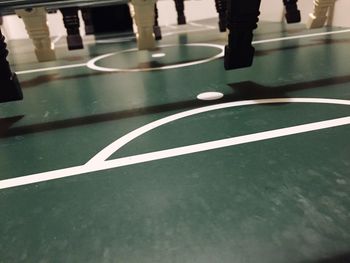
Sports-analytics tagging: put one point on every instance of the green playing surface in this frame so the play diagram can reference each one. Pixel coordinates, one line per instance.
(260, 175)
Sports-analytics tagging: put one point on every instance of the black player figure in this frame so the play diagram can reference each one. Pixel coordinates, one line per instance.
(72, 24)
(10, 89)
(242, 18)
(292, 13)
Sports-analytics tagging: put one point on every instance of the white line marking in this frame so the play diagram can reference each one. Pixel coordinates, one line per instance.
(115, 40)
(254, 42)
(171, 26)
(201, 25)
(50, 68)
(56, 40)
(301, 36)
(217, 144)
(92, 63)
(183, 31)
(99, 163)
(158, 155)
(122, 141)
(86, 42)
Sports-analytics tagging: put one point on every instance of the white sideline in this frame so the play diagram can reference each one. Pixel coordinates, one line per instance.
(99, 162)
(254, 42)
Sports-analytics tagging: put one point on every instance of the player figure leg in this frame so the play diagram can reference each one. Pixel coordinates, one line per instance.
(318, 18)
(144, 19)
(35, 20)
(10, 89)
(221, 8)
(89, 27)
(156, 28)
(292, 13)
(180, 9)
(242, 18)
(72, 24)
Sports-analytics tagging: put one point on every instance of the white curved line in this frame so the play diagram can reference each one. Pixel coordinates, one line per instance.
(92, 63)
(158, 155)
(116, 145)
(217, 144)
(195, 148)
(50, 68)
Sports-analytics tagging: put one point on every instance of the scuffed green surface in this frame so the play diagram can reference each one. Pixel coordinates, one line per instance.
(280, 200)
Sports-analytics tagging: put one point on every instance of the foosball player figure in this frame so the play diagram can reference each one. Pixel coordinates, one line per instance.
(144, 15)
(72, 24)
(35, 21)
(10, 89)
(242, 18)
(319, 17)
(292, 13)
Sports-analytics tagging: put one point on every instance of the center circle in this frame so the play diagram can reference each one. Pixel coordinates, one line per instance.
(92, 63)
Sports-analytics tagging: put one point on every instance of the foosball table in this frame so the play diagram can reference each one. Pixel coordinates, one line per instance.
(34, 16)
(240, 17)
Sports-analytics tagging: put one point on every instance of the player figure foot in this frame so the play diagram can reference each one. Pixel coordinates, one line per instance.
(157, 33)
(239, 52)
(293, 17)
(74, 42)
(181, 19)
(11, 90)
(292, 12)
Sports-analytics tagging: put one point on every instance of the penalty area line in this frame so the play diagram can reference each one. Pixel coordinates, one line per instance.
(179, 151)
